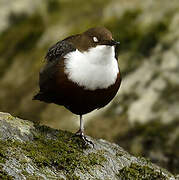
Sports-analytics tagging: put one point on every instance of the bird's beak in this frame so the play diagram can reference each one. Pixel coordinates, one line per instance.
(113, 42)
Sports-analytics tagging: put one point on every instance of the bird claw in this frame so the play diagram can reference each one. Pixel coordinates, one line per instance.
(84, 138)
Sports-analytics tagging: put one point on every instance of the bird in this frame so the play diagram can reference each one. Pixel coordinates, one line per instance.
(81, 73)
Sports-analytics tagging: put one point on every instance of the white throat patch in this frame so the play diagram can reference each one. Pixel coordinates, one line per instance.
(94, 69)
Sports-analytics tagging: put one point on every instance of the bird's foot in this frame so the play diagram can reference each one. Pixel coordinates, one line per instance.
(86, 141)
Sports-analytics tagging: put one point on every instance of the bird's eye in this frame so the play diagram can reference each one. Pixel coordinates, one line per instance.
(95, 39)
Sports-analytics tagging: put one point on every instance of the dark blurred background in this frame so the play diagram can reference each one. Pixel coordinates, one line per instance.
(144, 116)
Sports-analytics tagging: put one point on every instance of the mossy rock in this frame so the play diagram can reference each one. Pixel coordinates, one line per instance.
(134, 171)
(162, 139)
(34, 151)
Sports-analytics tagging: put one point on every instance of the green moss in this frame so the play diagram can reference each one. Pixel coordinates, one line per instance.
(3, 175)
(137, 172)
(3, 152)
(56, 149)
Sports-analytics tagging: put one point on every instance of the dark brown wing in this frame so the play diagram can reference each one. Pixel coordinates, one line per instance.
(48, 72)
(58, 50)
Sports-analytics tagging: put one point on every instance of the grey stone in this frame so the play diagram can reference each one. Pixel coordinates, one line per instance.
(110, 160)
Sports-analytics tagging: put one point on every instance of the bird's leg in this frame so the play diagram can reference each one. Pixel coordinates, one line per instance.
(80, 132)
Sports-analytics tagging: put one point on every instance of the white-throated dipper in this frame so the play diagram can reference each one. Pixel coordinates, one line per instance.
(81, 73)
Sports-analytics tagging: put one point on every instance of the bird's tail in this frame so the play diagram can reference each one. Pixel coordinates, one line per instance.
(41, 97)
(37, 96)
